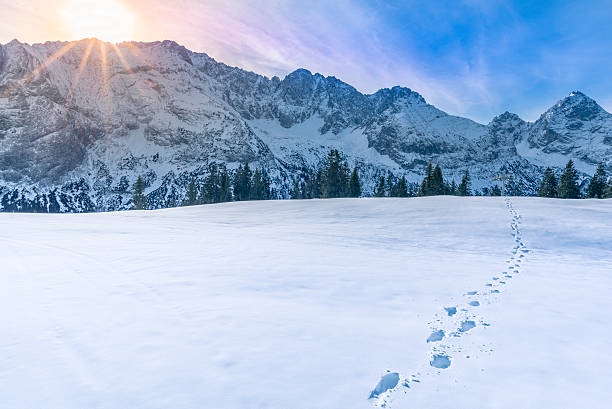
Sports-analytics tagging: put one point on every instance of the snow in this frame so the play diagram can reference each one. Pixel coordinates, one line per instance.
(305, 141)
(310, 304)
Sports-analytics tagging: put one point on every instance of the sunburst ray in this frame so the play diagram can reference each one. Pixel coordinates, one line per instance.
(36, 71)
(105, 79)
(122, 59)
(79, 73)
(139, 54)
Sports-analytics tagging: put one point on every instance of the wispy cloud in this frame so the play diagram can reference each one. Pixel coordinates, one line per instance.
(475, 58)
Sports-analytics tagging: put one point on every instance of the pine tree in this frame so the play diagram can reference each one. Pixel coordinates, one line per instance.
(436, 182)
(247, 174)
(423, 188)
(335, 176)
(401, 188)
(426, 185)
(548, 187)
(465, 187)
(242, 182)
(172, 198)
(266, 184)
(312, 185)
(54, 206)
(354, 184)
(238, 183)
(139, 200)
(225, 190)
(379, 191)
(496, 191)
(568, 183)
(453, 188)
(390, 185)
(597, 185)
(191, 197)
(210, 189)
(296, 192)
(317, 184)
(258, 186)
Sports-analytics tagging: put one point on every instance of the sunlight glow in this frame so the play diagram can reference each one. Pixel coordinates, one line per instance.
(107, 20)
(81, 69)
(34, 73)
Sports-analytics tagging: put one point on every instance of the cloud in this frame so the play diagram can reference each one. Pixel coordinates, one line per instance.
(475, 58)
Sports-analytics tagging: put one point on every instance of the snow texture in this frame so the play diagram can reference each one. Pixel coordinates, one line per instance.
(309, 304)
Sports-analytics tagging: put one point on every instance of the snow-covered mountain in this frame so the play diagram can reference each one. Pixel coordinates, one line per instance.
(79, 122)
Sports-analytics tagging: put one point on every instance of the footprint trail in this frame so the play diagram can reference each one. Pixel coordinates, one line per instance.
(454, 322)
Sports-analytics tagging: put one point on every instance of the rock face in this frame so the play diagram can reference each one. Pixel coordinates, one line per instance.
(79, 122)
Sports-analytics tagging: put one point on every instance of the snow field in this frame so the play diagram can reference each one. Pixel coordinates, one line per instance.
(310, 304)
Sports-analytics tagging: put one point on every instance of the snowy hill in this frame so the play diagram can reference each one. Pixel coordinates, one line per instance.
(81, 121)
(308, 304)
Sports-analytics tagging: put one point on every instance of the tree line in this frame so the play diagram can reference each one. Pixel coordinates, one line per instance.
(566, 187)
(333, 178)
(218, 187)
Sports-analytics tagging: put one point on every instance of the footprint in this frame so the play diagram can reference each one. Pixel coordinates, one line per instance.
(436, 336)
(472, 292)
(451, 311)
(440, 361)
(466, 326)
(388, 381)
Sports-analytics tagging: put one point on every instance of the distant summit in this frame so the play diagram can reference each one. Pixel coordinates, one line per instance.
(85, 119)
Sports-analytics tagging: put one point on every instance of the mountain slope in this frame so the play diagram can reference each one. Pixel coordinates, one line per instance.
(79, 122)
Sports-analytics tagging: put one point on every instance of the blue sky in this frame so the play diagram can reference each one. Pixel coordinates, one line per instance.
(474, 58)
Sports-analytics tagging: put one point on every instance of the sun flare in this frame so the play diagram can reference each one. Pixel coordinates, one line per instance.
(107, 20)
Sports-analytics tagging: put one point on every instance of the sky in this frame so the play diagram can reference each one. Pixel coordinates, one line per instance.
(474, 58)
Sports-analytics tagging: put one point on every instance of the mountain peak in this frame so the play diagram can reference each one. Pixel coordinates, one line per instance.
(576, 105)
(577, 97)
(300, 72)
(400, 93)
(507, 117)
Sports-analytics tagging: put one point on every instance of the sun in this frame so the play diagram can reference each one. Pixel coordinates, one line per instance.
(106, 20)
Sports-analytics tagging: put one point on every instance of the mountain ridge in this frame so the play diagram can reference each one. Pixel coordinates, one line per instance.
(95, 114)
